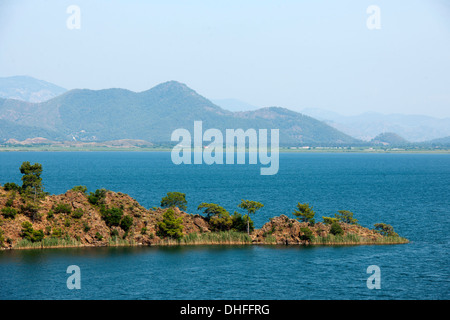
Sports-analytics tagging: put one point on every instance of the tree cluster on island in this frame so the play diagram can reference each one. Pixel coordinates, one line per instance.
(169, 224)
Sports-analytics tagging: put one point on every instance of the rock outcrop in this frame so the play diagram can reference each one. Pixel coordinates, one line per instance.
(70, 218)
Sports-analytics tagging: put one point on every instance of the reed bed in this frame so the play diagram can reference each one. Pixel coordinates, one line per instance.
(223, 237)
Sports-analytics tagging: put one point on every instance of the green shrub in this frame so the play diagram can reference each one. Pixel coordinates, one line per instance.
(219, 219)
(86, 227)
(97, 197)
(170, 226)
(304, 213)
(8, 212)
(143, 230)
(346, 217)
(2, 237)
(126, 223)
(114, 233)
(240, 222)
(98, 236)
(329, 220)
(174, 199)
(30, 234)
(82, 189)
(77, 214)
(306, 234)
(50, 215)
(57, 233)
(62, 208)
(9, 202)
(385, 230)
(30, 210)
(336, 229)
(112, 217)
(9, 186)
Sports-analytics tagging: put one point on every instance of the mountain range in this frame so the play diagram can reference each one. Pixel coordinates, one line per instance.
(152, 115)
(366, 126)
(28, 89)
(33, 108)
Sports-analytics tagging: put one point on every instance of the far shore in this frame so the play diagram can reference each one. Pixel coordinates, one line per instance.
(281, 150)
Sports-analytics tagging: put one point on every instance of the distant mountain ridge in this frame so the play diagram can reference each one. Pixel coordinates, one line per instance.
(234, 105)
(366, 126)
(390, 138)
(28, 89)
(152, 115)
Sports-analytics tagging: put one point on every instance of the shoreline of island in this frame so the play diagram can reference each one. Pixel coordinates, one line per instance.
(113, 219)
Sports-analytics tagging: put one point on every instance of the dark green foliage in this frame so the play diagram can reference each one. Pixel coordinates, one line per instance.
(241, 223)
(114, 233)
(346, 217)
(9, 202)
(336, 229)
(143, 230)
(329, 220)
(211, 209)
(126, 223)
(30, 234)
(30, 210)
(9, 213)
(50, 215)
(112, 216)
(98, 236)
(170, 226)
(62, 208)
(57, 233)
(219, 219)
(306, 234)
(82, 189)
(97, 197)
(2, 237)
(385, 229)
(78, 213)
(304, 213)
(12, 186)
(251, 207)
(86, 227)
(174, 199)
(31, 180)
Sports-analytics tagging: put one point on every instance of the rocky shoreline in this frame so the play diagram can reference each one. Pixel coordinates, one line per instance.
(71, 220)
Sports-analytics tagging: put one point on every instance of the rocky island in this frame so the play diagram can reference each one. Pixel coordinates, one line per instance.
(30, 218)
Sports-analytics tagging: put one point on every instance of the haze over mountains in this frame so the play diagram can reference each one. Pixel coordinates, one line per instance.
(366, 126)
(28, 89)
(414, 128)
(152, 115)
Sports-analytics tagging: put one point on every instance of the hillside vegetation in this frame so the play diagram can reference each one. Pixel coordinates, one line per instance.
(152, 115)
(30, 218)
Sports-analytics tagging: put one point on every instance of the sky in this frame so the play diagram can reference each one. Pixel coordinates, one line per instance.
(294, 54)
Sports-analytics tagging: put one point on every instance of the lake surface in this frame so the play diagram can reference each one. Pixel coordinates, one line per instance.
(409, 191)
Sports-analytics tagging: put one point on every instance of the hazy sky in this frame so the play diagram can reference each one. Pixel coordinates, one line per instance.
(294, 54)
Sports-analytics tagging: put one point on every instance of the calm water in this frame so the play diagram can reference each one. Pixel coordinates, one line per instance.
(409, 191)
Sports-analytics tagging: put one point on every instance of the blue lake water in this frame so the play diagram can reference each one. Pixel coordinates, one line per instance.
(409, 191)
